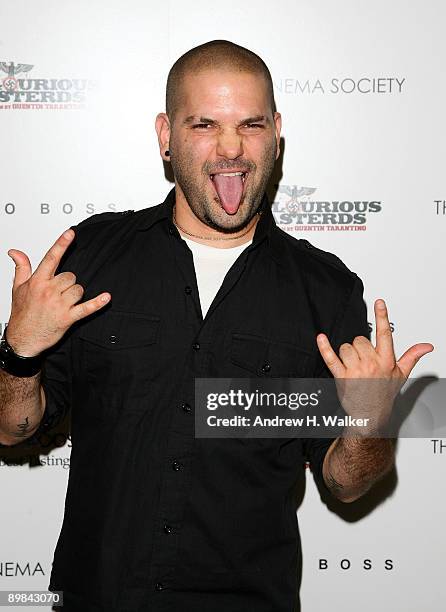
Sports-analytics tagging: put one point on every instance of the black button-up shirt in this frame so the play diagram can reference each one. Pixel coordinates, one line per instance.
(156, 519)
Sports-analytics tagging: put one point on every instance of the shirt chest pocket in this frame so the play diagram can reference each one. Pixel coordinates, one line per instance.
(119, 351)
(271, 358)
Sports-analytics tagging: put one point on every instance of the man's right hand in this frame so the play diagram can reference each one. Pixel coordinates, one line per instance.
(44, 305)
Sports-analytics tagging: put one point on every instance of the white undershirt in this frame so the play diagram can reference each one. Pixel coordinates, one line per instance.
(211, 266)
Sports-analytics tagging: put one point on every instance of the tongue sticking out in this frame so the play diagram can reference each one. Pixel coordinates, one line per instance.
(229, 190)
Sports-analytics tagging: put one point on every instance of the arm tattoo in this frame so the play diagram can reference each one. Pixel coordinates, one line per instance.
(356, 464)
(23, 428)
(18, 404)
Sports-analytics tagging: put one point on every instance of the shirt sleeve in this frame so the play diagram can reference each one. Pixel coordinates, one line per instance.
(351, 322)
(56, 380)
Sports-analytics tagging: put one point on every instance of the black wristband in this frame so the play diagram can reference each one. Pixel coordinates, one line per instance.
(16, 364)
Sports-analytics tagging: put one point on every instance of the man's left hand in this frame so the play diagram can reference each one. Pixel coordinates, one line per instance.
(360, 362)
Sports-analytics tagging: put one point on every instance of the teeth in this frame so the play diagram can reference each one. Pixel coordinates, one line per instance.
(242, 174)
(229, 174)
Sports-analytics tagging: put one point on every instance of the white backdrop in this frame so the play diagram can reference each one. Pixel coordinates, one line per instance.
(361, 90)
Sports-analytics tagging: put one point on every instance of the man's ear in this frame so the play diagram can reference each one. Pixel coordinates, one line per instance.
(162, 127)
(278, 128)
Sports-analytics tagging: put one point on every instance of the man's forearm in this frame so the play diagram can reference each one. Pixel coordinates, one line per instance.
(22, 403)
(353, 464)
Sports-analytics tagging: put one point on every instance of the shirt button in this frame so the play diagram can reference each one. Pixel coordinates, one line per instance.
(187, 290)
(186, 407)
(159, 586)
(266, 367)
(196, 346)
(176, 466)
(113, 339)
(167, 529)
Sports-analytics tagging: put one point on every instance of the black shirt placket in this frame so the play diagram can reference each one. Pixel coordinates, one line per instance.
(178, 462)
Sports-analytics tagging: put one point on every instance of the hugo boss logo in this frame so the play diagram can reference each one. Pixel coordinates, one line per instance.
(346, 564)
(65, 208)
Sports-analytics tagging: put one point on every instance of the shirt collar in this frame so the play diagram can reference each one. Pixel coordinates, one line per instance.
(150, 216)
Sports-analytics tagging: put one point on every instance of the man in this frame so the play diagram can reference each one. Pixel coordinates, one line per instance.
(202, 285)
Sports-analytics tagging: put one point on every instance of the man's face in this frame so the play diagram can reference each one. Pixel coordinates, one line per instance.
(224, 125)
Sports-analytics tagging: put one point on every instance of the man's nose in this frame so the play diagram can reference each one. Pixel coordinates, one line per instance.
(229, 145)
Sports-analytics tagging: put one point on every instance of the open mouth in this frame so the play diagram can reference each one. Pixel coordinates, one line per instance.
(242, 174)
(229, 188)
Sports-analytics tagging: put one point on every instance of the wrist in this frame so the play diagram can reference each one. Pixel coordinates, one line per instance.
(16, 364)
(17, 344)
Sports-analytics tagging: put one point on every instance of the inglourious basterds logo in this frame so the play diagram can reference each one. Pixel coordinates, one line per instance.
(19, 91)
(298, 209)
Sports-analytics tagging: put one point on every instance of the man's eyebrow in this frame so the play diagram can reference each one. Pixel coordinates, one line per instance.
(194, 118)
(256, 119)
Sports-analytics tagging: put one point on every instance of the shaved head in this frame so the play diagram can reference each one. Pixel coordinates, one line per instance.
(221, 135)
(214, 55)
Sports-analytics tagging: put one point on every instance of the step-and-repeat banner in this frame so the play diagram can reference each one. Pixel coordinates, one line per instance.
(361, 90)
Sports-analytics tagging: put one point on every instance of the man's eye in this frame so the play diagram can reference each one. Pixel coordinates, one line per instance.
(254, 125)
(201, 125)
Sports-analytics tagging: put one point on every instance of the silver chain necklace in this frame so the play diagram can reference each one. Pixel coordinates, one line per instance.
(207, 237)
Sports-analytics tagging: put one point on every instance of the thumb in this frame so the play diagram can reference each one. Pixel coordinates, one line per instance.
(409, 359)
(23, 269)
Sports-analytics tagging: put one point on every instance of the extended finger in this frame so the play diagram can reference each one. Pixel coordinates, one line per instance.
(332, 361)
(84, 309)
(410, 358)
(384, 338)
(51, 259)
(23, 269)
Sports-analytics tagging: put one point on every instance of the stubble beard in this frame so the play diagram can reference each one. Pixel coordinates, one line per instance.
(206, 209)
